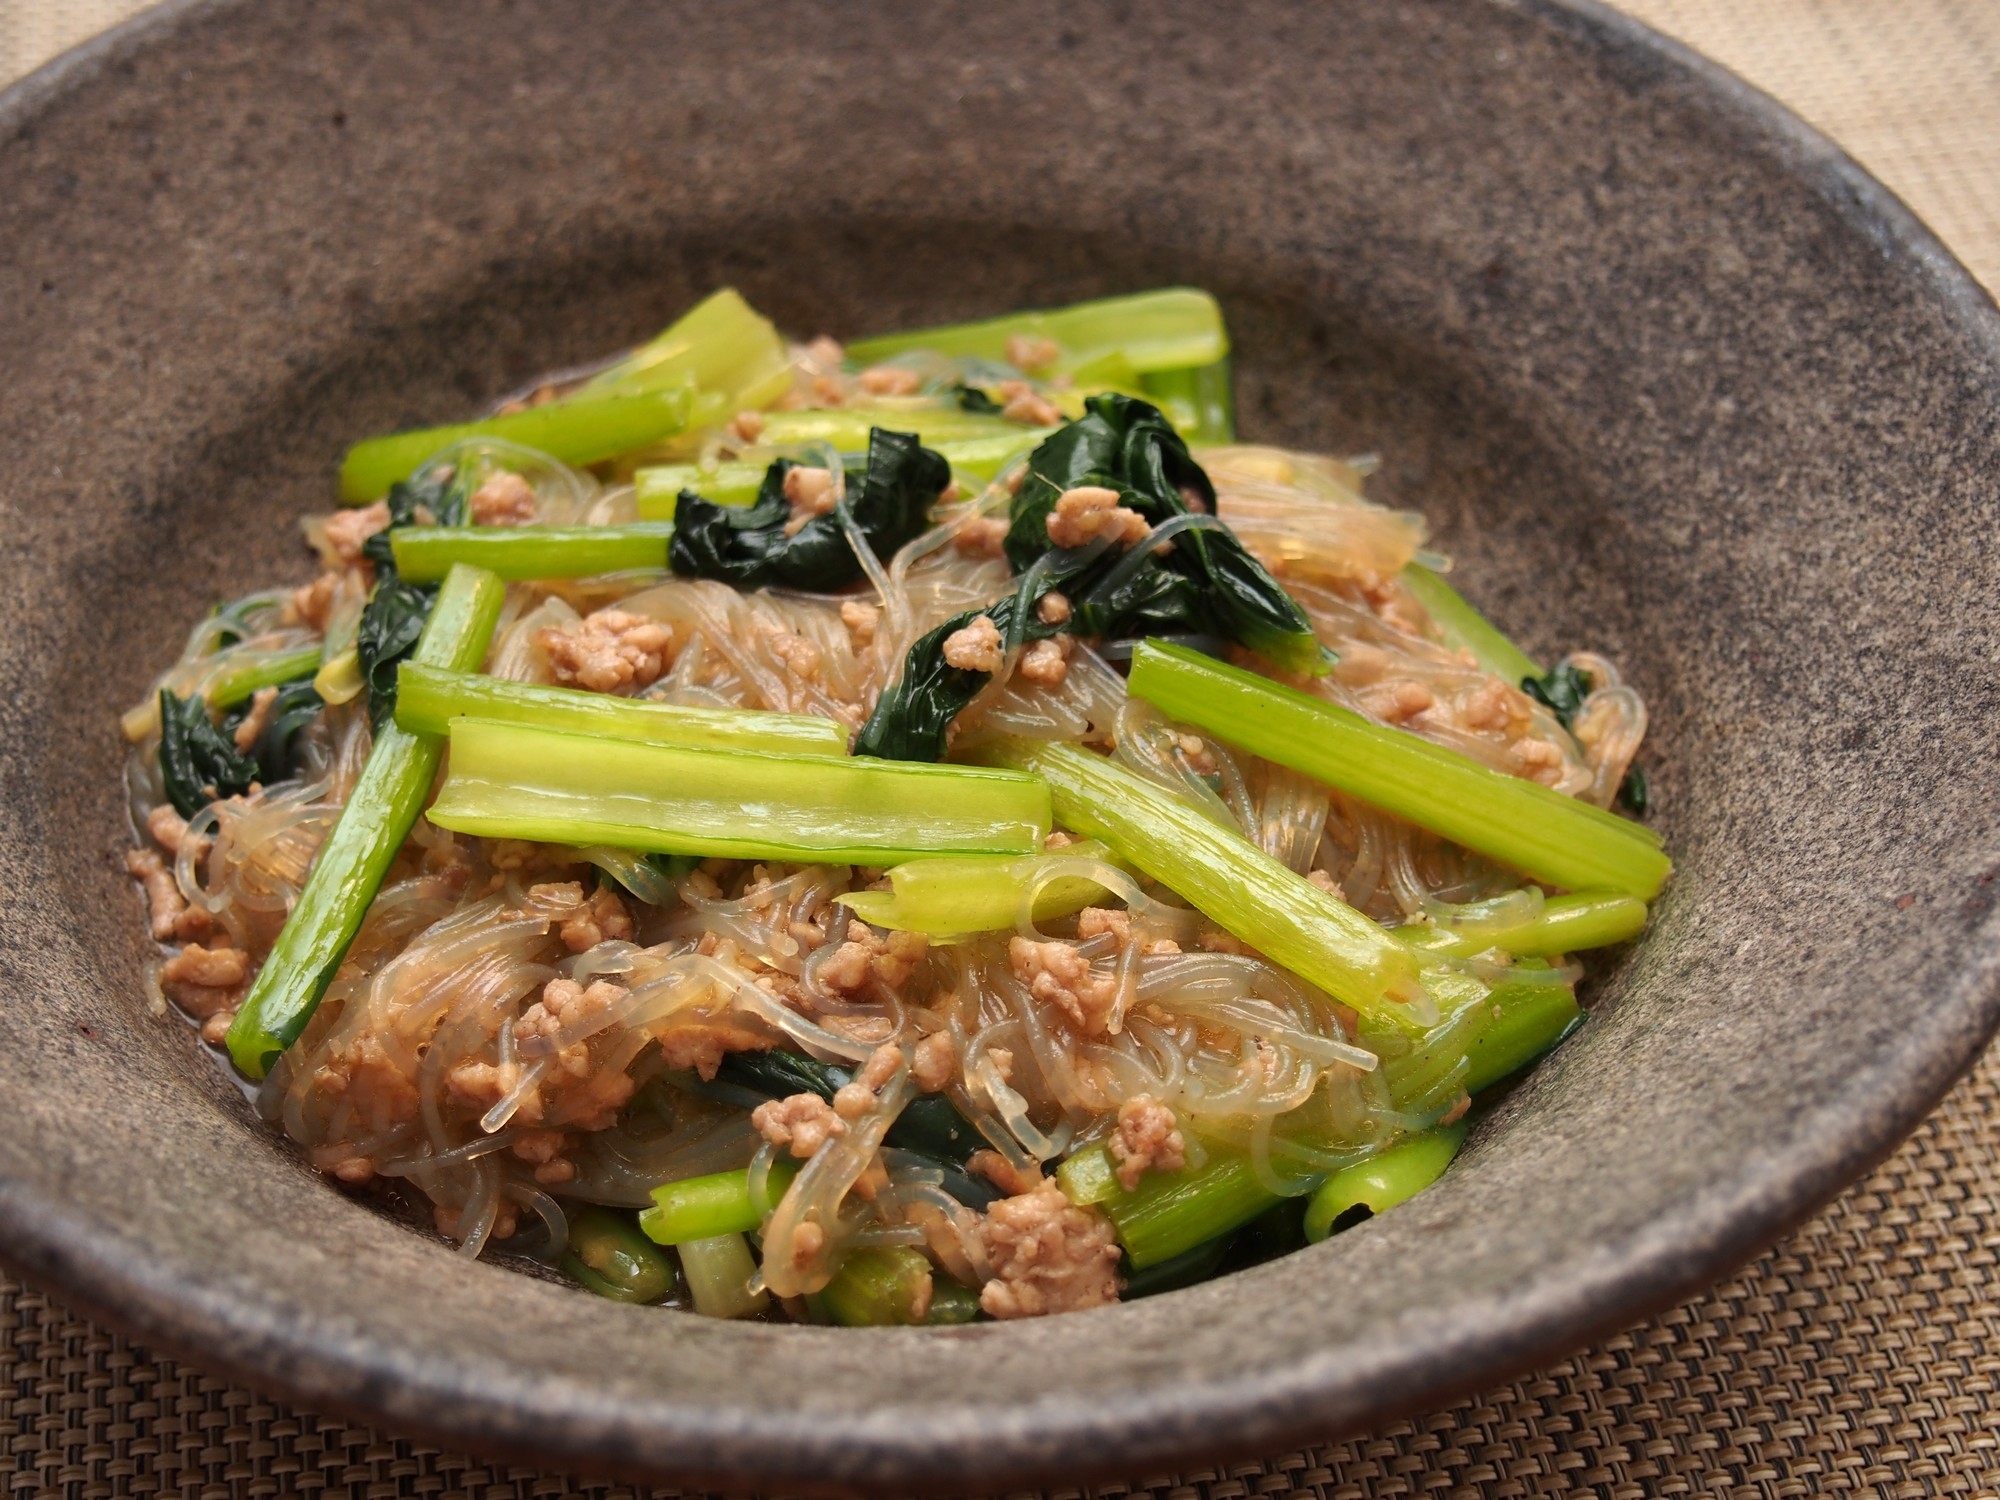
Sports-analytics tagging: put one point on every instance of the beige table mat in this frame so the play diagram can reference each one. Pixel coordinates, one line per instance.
(1861, 1357)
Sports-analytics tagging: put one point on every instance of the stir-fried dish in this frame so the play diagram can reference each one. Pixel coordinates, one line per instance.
(902, 833)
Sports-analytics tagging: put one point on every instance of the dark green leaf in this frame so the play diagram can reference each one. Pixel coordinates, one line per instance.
(298, 703)
(1635, 793)
(1561, 690)
(971, 398)
(1207, 584)
(749, 547)
(198, 762)
(390, 625)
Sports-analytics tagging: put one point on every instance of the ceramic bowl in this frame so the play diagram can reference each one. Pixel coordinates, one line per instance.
(1671, 376)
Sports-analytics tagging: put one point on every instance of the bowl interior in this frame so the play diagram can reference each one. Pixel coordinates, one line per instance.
(1668, 380)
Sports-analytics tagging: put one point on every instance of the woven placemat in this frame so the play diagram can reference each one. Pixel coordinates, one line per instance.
(1862, 1356)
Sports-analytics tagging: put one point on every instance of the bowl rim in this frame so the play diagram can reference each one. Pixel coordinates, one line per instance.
(42, 1240)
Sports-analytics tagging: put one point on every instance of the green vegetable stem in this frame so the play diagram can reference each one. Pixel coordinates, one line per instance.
(1550, 837)
(608, 1255)
(699, 1208)
(372, 826)
(1381, 1182)
(550, 786)
(582, 429)
(429, 698)
(425, 554)
(1235, 884)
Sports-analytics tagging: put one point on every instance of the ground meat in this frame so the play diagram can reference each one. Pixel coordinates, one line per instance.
(1361, 664)
(1002, 1173)
(935, 1062)
(505, 499)
(1095, 920)
(584, 922)
(1056, 974)
(803, 1122)
(1046, 662)
(506, 1219)
(700, 1044)
(206, 982)
(1030, 352)
(1196, 752)
(890, 380)
(1053, 608)
(346, 530)
(809, 492)
(1048, 1256)
(478, 1086)
(544, 1151)
(862, 620)
(565, 1003)
(980, 536)
(1020, 402)
(1538, 760)
(978, 647)
(608, 652)
(1089, 511)
(211, 968)
(800, 656)
(312, 604)
(853, 1100)
(167, 913)
(1146, 1139)
(1326, 883)
(167, 827)
(747, 426)
(1495, 704)
(1396, 700)
(866, 954)
(257, 720)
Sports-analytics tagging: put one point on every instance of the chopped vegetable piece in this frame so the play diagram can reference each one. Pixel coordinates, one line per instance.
(1199, 400)
(581, 429)
(428, 699)
(722, 346)
(1380, 1183)
(879, 1287)
(974, 462)
(236, 683)
(1207, 583)
(699, 1208)
(958, 895)
(1561, 690)
(198, 762)
(549, 786)
(719, 1273)
(1170, 1213)
(1235, 884)
(767, 544)
(608, 1255)
(846, 429)
(1565, 924)
(951, 1303)
(425, 554)
(1170, 329)
(1530, 1023)
(1550, 837)
(372, 826)
(1465, 628)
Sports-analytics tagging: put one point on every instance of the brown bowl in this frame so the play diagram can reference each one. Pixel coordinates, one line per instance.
(1672, 376)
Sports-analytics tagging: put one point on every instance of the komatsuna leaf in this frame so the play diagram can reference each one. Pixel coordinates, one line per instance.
(1207, 583)
(751, 548)
(296, 705)
(394, 616)
(198, 762)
